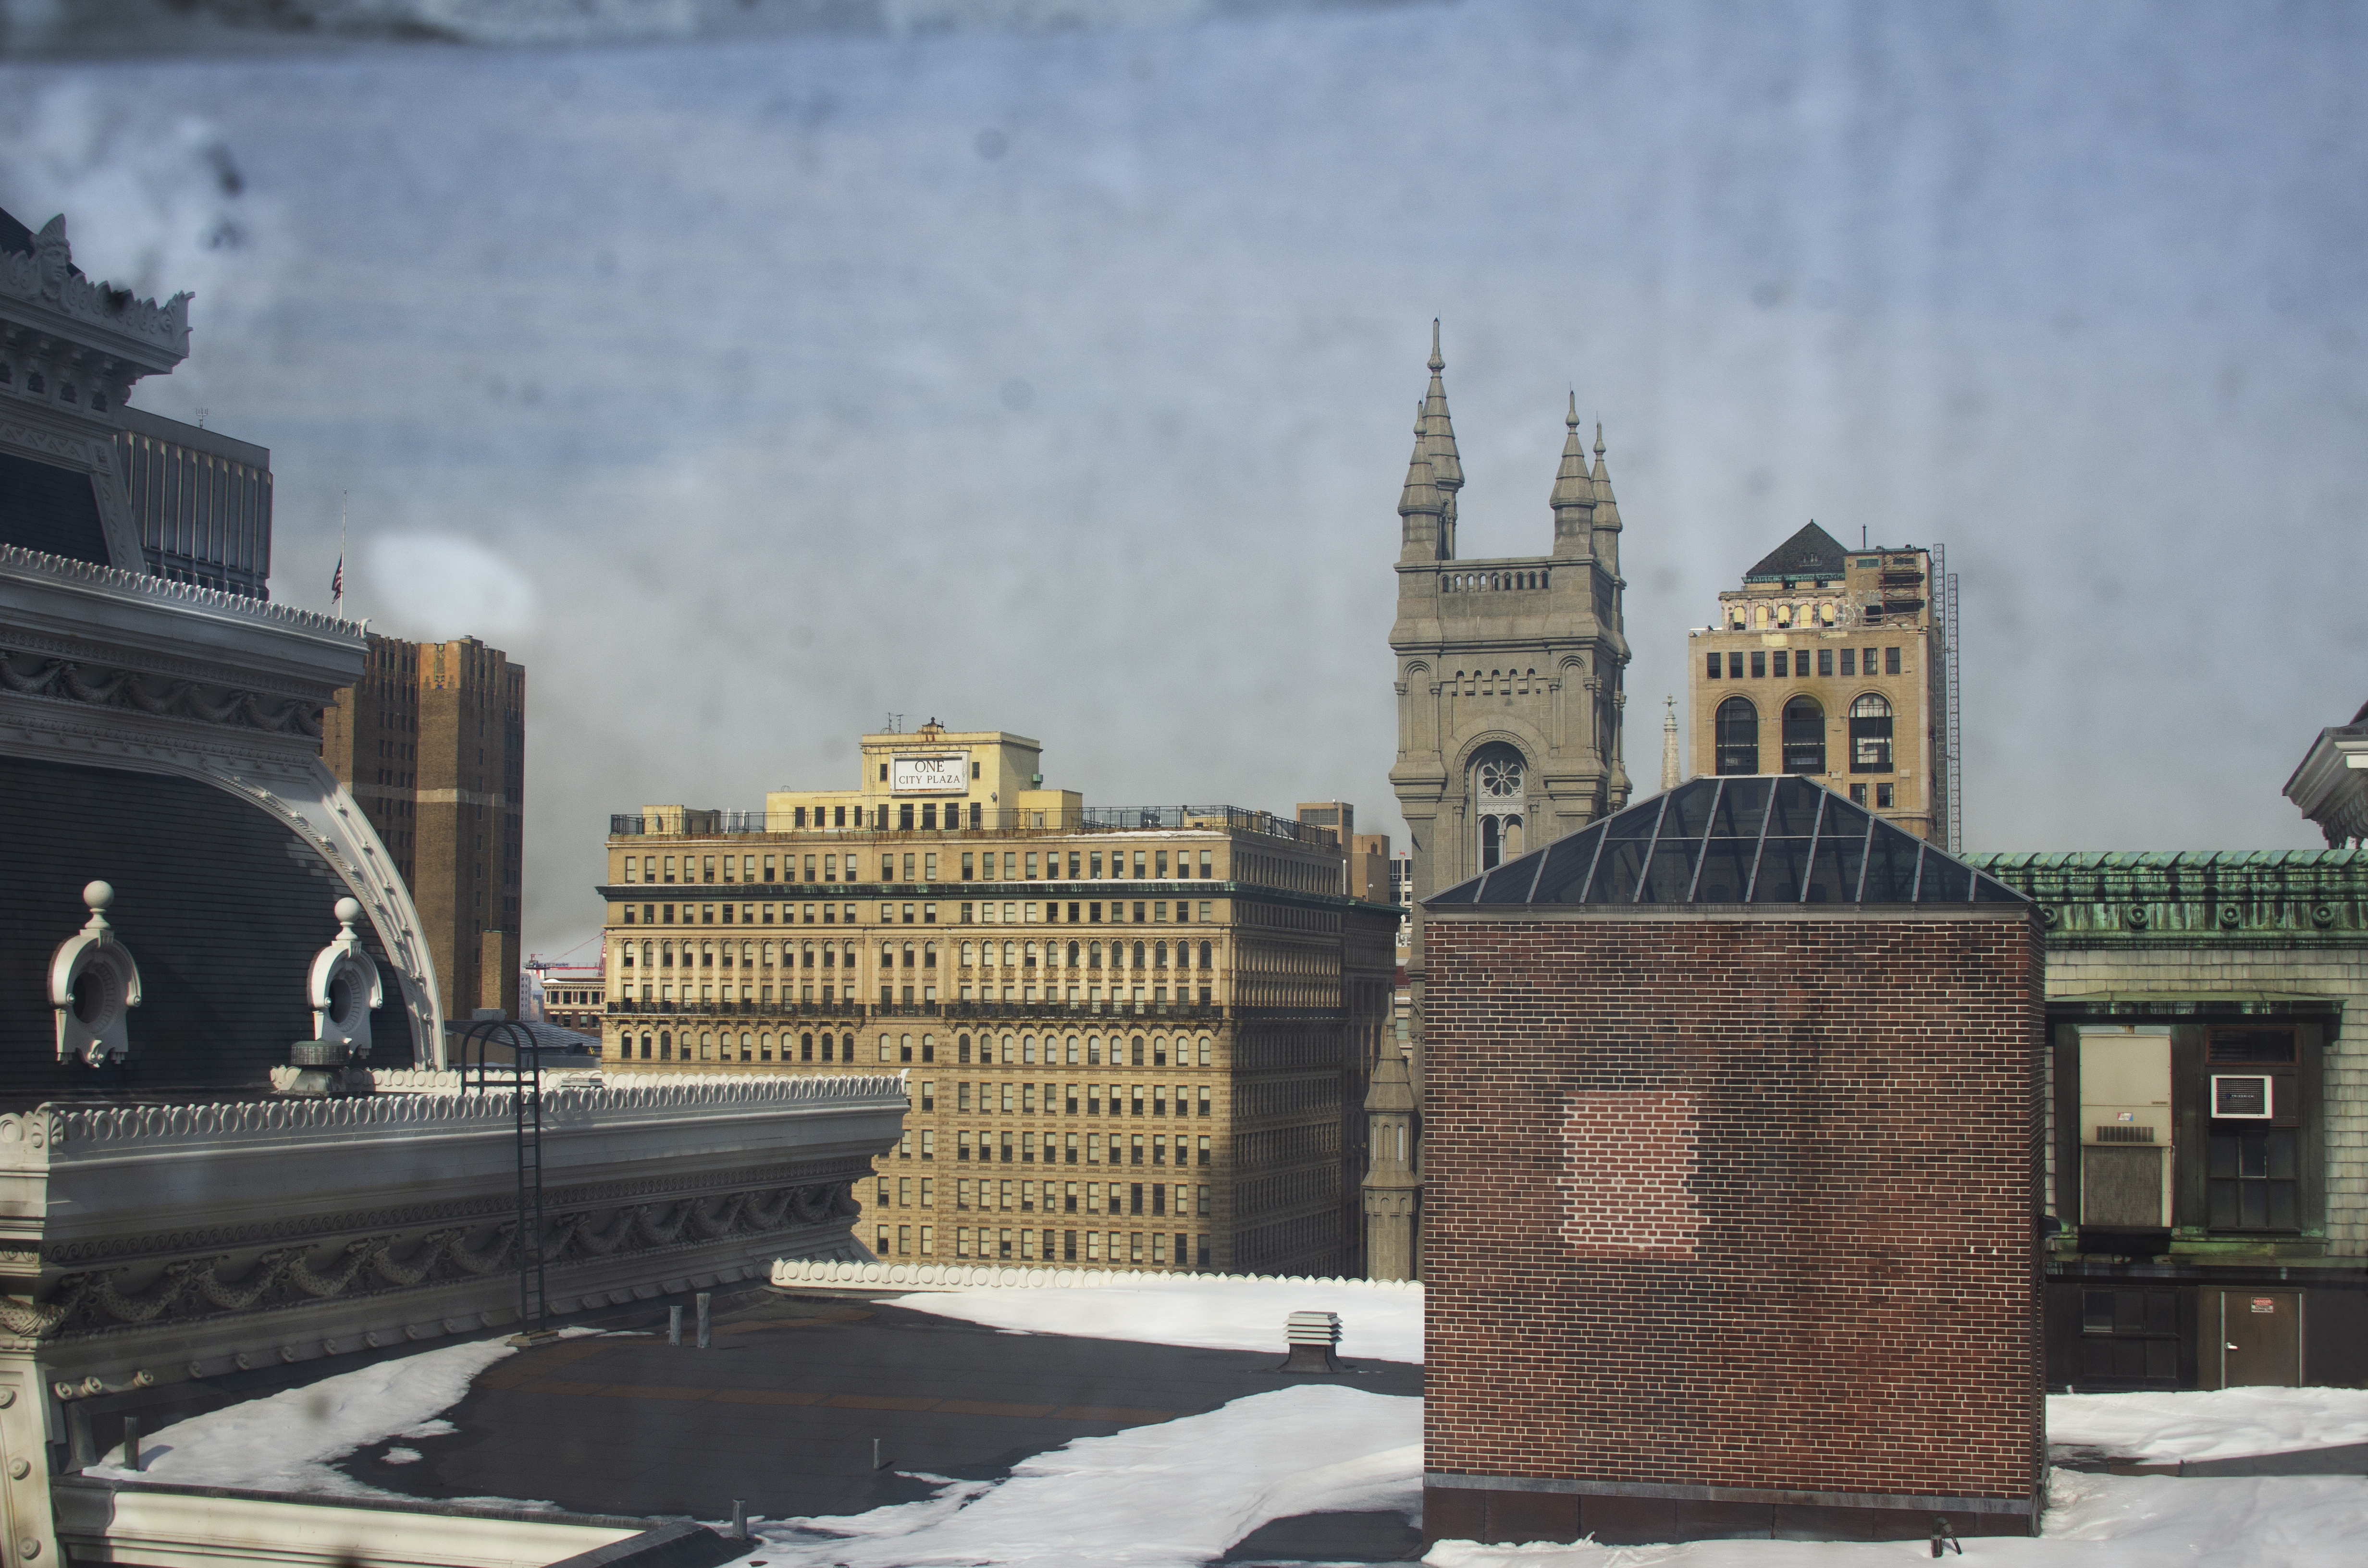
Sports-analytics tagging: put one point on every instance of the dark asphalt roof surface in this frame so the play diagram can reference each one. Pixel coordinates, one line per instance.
(783, 1410)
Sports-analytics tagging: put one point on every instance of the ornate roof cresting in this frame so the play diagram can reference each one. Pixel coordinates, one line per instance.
(45, 278)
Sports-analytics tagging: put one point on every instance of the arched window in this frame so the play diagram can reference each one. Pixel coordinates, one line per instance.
(1204, 955)
(1869, 734)
(805, 1048)
(1073, 955)
(645, 1048)
(665, 1047)
(1159, 955)
(928, 955)
(961, 1048)
(1804, 736)
(1739, 736)
(1094, 956)
(908, 955)
(745, 1041)
(1138, 955)
(1499, 801)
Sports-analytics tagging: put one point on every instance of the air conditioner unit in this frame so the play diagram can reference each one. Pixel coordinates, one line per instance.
(2244, 1096)
(2126, 1127)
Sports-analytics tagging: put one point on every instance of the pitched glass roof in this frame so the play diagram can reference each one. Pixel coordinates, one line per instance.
(1766, 839)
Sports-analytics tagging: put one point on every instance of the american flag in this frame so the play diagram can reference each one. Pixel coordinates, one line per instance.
(337, 580)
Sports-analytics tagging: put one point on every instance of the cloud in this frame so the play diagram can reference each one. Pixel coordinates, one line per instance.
(438, 586)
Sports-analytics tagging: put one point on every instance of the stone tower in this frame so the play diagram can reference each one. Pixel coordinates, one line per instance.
(1509, 670)
(1508, 714)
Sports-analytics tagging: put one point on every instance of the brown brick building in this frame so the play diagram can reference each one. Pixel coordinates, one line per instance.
(432, 743)
(1733, 1135)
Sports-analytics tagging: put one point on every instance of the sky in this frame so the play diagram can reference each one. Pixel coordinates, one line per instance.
(1054, 373)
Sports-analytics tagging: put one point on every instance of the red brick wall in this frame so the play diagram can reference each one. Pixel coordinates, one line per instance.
(1743, 1203)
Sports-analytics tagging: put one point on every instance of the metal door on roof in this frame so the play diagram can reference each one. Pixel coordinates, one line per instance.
(2261, 1339)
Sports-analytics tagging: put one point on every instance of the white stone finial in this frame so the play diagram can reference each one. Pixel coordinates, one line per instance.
(97, 896)
(347, 911)
(1670, 770)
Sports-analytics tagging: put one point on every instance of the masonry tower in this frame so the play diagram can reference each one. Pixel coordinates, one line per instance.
(1508, 681)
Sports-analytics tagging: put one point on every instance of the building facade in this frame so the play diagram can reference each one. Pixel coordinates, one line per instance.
(1833, 664)
(2207, 1116)
(1175, 1007)
(1733, 1098)
(432, 742)
(1509, 699)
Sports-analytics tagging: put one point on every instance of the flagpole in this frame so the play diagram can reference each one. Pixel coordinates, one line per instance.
(338, 581)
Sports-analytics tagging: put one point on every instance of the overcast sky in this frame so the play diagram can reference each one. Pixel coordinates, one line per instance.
(1061, 381)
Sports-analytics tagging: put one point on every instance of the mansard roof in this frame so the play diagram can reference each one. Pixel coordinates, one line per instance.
(1812, 552)
(1759, 839)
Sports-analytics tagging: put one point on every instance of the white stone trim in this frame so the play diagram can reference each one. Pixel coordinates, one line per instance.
(790, 1273)
(205, 1527)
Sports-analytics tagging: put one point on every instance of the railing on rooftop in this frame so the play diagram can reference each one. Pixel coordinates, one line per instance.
(923, 817)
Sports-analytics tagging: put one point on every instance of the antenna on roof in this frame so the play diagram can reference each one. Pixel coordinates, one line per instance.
(1862, 535)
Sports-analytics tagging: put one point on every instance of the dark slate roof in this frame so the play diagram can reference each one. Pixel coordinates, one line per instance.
(1812, 552)
(1764, 839)
(14, 235)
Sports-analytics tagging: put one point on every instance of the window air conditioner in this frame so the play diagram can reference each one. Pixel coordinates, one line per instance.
(2242, 1097)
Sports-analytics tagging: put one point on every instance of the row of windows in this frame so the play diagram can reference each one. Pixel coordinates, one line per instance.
(1083, 865)
(1791, 663)
(658, 954)
(1121, 1249)
(1151, 912)
(1015, 1050)
(1737, 736)
(1013, 1098)
(1004, 1147)
(890, 993)
(1050, 1198)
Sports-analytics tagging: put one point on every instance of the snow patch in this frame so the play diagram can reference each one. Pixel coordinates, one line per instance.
(2212, 1424)
(286, 1442)
(1207, 1314)
(1171, 1495)
(2094, 1521)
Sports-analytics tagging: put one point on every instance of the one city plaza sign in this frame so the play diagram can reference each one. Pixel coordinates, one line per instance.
(943, 773)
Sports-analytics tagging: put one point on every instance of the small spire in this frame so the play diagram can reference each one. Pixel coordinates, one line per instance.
(1437, 364)
(1574, 492)
(1599, 427)
(1670, 779)
(1419, 505)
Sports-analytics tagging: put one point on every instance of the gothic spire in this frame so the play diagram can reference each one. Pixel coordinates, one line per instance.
(1438, 432)
(1574, 495)
(1419, 505)
(1669, 778)
(1607, 510)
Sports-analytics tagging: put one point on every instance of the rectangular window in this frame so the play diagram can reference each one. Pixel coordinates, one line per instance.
(1782, 669)
(1759, 665)
(1850, 661)
(1714, 667)
(1891, 661)
(1858, 794)
(1883, 797)
(1031, 866)
(1011, 866)
(1824, 661)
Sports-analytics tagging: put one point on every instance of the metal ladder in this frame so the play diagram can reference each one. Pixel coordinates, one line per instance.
(522, 1074)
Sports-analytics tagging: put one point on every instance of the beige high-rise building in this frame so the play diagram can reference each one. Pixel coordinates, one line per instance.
(1135, 1038)
(432, 745)
(1832, 662)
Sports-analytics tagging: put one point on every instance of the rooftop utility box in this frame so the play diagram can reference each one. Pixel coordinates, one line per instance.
(2126, 1127)
(1733, 1155)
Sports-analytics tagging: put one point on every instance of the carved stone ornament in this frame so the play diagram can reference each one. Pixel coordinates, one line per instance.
(342, 987)
(188, 1288)
(93, 985)
(32, 674)
(47, 279)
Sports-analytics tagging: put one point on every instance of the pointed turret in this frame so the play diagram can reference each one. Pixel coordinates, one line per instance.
(1607, 512)
(1574, 496)
(1669, 778)
(1419, 503)
(1439, 445)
